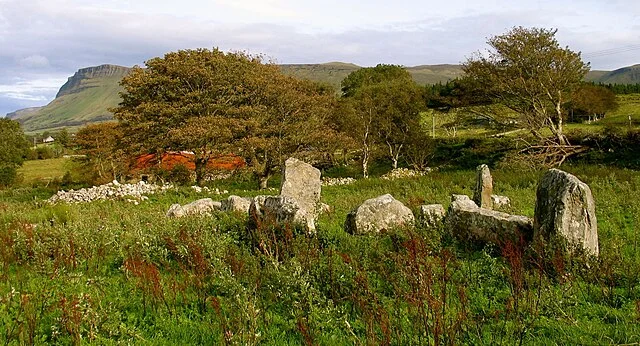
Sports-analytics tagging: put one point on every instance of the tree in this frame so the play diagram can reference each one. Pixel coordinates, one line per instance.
(592, 101)
(13, 150)
(529, 72)
(104, 159)
(208, 101)
(384, 107)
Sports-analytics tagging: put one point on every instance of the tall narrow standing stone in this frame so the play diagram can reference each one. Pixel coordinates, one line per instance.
(301, 181)
(565, 207)
(484, 187)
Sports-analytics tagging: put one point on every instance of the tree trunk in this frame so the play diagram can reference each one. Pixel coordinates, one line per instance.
(365, 161)
(201, 164)
(264, 180)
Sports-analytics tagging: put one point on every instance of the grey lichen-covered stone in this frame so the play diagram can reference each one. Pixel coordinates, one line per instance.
(236, 204)
(301, 181)
(500, 201)
(200, 207)
(431, 215)
(484, 187)
(469, 222)
(377, 214)
(565, 208)
(279, 210)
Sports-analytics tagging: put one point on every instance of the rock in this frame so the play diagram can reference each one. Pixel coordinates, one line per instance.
(377, 214)
(325, 208)
(200, 207)
(236, 204)
(500, 201)
(484, 187)
(302, 182)
(175, 210)
(431, 215)
(279, 210)
(469, 222)
(565, 208)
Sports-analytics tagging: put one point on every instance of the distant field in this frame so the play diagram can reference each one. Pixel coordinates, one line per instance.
(43, 170)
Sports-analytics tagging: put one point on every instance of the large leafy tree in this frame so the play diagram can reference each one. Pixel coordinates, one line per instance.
(210, 102)
(528, 71)
(381, 107)
(13, 150)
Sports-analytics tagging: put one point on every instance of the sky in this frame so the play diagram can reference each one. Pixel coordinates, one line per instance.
(42, 43)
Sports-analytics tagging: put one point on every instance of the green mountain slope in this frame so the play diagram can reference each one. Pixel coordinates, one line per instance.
(334, 72)
(625, 75)
(83, 99)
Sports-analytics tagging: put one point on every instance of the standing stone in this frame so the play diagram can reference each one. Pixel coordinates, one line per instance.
(484, 187)
(302, 182)
(376, 214)
(565, 207)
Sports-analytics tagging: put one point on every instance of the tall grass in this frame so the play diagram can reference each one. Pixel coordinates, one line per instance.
(114, 272)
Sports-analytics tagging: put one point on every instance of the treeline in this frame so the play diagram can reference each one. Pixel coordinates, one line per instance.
(622, 89)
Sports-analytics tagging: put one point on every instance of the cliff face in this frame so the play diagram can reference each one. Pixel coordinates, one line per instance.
(75, 83)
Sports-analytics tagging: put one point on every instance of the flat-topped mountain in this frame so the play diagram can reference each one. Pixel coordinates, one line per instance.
(85, 98)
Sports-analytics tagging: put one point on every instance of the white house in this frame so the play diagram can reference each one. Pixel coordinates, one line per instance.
(48, 140)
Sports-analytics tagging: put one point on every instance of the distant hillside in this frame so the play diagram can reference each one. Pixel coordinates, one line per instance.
(84, 98)
(87, 95)
(334, 72)
(625, 75)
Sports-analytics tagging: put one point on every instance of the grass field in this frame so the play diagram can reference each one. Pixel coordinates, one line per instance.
(113, 272)
(43, 170)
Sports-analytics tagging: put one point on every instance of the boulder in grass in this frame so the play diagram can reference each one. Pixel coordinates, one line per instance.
(280, 210)
(467, 221)
(236, 204)
(377, 214)
(431, 215)
(203, 206)
(565, 207)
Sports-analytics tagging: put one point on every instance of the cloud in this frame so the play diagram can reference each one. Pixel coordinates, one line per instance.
(35, 61)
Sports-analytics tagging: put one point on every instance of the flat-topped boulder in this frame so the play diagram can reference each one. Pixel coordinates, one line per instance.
(469, 222)
(565, 208)
(301, 181)
(377, 214)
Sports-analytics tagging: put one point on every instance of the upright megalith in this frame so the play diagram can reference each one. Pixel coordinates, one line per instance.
(298, 203)
(484, 187)
(301, 181)
(376, 214)
(565, 208)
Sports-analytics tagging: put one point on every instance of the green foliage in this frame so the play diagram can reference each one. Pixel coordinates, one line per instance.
(528, 71)
(211, 102)
(13, 150)
(103, 159)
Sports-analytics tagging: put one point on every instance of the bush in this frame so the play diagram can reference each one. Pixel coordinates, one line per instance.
(8, 175)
